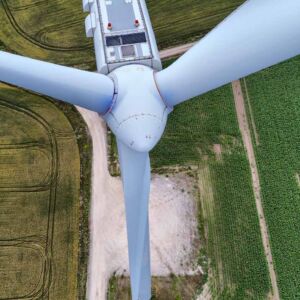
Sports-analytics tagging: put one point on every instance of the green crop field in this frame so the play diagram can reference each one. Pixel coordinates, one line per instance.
(39, 199)
(274, 96)
(204, 132)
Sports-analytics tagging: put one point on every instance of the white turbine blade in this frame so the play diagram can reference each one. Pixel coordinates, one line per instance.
(87, 89)
(257, 35)
(135, 171)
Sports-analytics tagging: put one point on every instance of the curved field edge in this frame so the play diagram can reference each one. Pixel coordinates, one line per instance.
(85, 151)
(21, 30)
(81, 135)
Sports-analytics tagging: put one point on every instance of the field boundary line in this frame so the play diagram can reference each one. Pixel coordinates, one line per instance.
(247, 140)
(298, 179)
(175, 51)
(52, 187)
(251, 112)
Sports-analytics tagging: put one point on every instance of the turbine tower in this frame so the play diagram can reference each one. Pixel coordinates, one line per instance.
(135, 96)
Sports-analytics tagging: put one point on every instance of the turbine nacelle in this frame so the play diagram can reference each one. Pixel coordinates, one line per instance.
(138, 115)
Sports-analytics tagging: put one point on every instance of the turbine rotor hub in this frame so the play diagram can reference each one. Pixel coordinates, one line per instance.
(138, 115)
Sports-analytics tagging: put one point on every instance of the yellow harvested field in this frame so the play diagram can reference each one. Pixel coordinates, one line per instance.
(39, 199)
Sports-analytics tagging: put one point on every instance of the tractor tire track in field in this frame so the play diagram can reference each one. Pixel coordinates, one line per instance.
(29, 38)
(251, 115)
(42, 290)
(247, 140)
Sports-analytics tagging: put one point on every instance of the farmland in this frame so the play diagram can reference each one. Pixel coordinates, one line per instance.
(184, 21)
(164, 288)
(204, 132)
(48, 30)
(39, 199)
(275, 104)
(58, 35)
(47, 243)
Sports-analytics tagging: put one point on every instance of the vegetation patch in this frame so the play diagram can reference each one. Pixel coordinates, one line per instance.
(179, 22)
(275, 101)
(54, 30)
(229, 221)
(163, 288)
(48, 30)
(41, 164)
(41, 245)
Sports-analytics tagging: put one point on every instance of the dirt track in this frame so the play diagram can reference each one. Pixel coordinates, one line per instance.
(246, 135)
(171, 52)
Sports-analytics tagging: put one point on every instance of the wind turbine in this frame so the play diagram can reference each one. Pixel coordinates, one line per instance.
(136, 98)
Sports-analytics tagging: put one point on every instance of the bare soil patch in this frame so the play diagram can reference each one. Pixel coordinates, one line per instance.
(218, 151)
